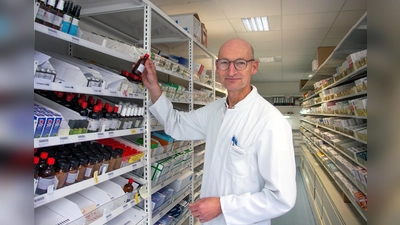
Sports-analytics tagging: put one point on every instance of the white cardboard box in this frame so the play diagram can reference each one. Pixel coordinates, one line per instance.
(181, 182)
(190, 22)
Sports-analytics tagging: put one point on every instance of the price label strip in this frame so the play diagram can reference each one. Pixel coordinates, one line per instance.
(64, 140)
(43, 142)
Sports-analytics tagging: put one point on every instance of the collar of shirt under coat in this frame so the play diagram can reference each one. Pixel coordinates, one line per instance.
(244, 102)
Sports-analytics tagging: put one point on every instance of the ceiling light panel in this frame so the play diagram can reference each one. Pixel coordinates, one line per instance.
(256, 24)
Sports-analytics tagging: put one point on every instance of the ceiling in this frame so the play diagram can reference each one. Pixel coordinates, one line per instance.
(297, 29)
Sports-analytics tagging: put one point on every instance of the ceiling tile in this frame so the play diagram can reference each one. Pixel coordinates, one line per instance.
(305, 34)
(331, 42)
(261, 36)
(301, 21)
(337, 32)
(355, 5)
(310, 6)
(250, 8)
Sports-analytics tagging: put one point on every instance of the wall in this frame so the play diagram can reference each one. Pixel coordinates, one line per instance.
(278, 88)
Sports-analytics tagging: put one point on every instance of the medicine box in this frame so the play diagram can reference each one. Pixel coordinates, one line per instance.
(157, 199)
(181, 182)
(189, 22)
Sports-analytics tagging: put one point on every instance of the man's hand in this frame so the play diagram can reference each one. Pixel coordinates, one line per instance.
(150, 81)
(206, 209)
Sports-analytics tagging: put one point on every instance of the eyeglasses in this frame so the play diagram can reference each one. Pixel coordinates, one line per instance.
(240, 64)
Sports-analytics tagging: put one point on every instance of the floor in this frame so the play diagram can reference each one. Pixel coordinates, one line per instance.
(301, 213)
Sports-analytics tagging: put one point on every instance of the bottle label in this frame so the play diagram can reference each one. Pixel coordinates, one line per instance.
(103, 125)
(114, 123)
(40, 14)
(141, 68)
(93, 125)
(88, 172)
(66, 23)
(43, 183)
(57, 20)
(71, 177)
(48, 17)
(129, 196)
(108, 124)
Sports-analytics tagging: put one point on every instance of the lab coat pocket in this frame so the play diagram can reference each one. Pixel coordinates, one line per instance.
(238, 161)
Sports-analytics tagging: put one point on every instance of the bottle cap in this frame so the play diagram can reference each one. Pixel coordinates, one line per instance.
(51, 2)
(83, 160)
(44, 155)
(60, 4)
(69, 98)
(51, 161)
(84, 105)
(130, 180)
(115, 109)
(74, 162)
(35, 160)
(63, 164)
(109, 109)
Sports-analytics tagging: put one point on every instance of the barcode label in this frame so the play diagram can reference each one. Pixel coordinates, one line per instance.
(100, 135)
(110, 175)
(113, 92)
(134, 165)
(111, 133)
(81, 137)
(43, 142)
(75, 40)
(41, 83)
(109, 217)
(68, 87)
(125, 207)
(64, 140)
(130, 94)
(52, 32)
(97, 90)
(39, 200)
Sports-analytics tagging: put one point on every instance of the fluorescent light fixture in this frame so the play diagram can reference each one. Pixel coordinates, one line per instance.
(256, 23)
(310, 75)
(287, 117)
(268, 59)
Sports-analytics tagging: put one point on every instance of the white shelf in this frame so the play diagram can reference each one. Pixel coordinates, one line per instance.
(199, 163)
(170, 180)
(171, 203)
(65, 191)
(168, 154)
(200, 103)
(355, 40)
(51, 86)
(157, 128)
(350, 76)
(203, 84)
(327, 183)
(335, 99)
(60, 140)
(118, 211)
(333, 130)
(334, 115)
(337, 149)
(352, 179)
(182, 101)
(197, 143)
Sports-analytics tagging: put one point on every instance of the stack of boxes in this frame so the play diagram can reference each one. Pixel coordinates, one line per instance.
(46, 121)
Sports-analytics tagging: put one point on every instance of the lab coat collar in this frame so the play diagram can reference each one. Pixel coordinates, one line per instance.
(243, 103)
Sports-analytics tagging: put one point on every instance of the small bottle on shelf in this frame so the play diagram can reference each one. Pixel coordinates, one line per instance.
(67, 18)
(48, 16)
(40, 12)
(139, 65)
(73, 171)
(36, 167)
(93, 118)
(58, 17)
(114, 120)
(46, 177)
(128, 189)
(61, 172)
(75, 20)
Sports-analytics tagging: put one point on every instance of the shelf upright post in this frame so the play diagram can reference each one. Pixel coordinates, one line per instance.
(147, 127)
(191, 107)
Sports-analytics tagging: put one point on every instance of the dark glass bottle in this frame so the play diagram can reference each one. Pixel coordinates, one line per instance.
(61, 172)
(58, 17)
(114, 120)
(67, 18)
(93, 119)
(40, 12)
(128, 189)
(46, 177)
(43, 160)
(48, 16)
(139, 65)
(73, 171)
(36, 166)
(75, 20)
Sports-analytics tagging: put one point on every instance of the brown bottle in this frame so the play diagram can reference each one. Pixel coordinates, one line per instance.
(58, 17)
(48, 16)
(61, 172)
(128, 189)
(46, 177)
(35, 167)
(139, 65)
(40, 12)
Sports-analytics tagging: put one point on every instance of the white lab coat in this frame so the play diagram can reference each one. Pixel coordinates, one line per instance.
(255, 180)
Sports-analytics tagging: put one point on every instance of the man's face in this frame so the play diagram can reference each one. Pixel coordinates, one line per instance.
(232, 79)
